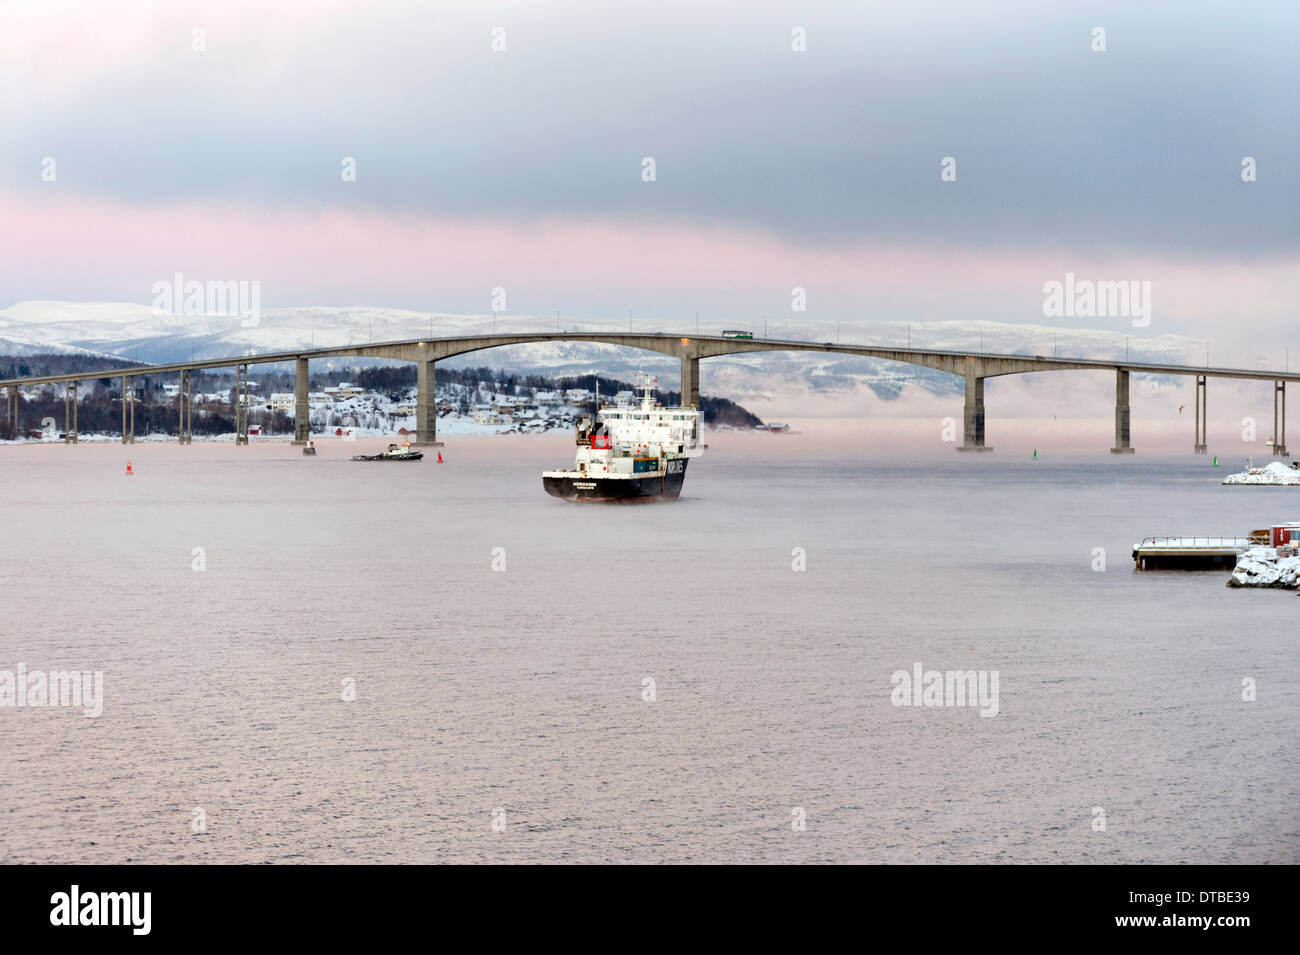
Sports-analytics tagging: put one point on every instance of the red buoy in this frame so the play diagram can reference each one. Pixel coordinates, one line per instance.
(129, 472)
(439, 457)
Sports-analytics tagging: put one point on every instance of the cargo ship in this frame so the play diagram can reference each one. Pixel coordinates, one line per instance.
(632, 452)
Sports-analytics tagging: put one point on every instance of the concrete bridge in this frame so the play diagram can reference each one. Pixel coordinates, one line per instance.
(973, 367)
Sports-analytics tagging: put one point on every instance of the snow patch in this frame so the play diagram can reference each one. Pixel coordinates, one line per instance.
(1275, 473)
(1261, 567)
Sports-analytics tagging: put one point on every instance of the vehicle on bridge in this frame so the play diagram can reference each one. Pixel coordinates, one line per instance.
(736, 333)
(634, 452)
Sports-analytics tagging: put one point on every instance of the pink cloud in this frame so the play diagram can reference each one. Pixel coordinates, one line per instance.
(105, 250)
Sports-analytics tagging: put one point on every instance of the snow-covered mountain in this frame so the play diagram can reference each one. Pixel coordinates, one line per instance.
(138, 333)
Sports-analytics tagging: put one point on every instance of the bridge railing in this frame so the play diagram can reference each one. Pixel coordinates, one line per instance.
(1200, 541)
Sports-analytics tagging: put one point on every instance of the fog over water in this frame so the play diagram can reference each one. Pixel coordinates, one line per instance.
(522, 689)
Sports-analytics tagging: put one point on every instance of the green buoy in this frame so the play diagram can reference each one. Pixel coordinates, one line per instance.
(1216, 460)
(1035, 454)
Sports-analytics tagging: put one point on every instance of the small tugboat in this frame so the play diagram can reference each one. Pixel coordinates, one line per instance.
(310, 450)
(636, 452)
(395, 452)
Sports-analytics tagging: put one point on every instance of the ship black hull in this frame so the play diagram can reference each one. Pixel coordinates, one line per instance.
(582, 488)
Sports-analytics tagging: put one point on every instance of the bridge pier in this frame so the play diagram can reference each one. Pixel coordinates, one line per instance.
(1202, 414)
(128, 421)
(241, 404)
(1279, 432)
(301, 407)
(1122, 433)
(690, 382)
(70, 423)
(426, 404)
(973, 432)
(184, 408)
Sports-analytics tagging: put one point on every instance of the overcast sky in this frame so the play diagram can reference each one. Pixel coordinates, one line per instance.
(774, 168)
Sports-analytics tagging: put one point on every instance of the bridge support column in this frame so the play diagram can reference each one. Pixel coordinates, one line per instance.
(1279, 430)
(241, 404)
(1122, 434)
(70, 412)
(426, 404)
(973, 432)
(301, 408)
(128, 416)
(184, 407)
(690, 382)
(1202, 414)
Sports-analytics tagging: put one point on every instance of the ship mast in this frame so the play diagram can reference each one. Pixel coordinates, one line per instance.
(646, 381)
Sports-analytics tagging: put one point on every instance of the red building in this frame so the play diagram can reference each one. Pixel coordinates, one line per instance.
(1285, 534)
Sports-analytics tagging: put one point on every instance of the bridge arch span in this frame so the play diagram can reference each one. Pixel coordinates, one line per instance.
(972, 367)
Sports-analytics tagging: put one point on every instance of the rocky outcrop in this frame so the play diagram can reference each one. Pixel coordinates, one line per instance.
(1264, 567)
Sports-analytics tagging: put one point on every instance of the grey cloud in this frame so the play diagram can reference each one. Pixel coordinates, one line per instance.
(1136, 147)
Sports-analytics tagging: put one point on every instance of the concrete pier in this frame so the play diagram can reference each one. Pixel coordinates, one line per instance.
(1122, 434)
(1279, 430)
(184, 407)
(1191, 553)
(70, 412)
(426, 404)
(973, 431)
(1202, 412)
(241, 404)
(301, 406)
(128, 418)
(690, 382)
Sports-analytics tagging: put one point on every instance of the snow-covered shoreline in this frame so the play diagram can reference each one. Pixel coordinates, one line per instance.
(1275, 474)
(1262, 567)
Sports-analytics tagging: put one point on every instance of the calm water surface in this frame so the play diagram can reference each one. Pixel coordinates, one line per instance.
(522, 689)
